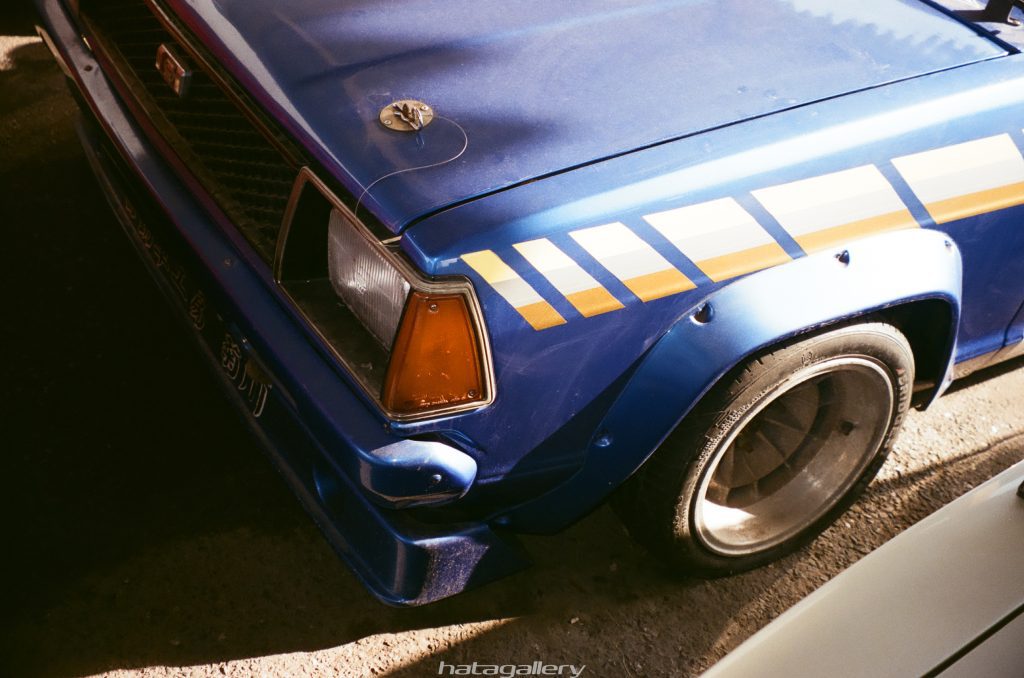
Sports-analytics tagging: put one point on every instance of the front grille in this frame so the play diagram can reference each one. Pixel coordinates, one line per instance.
(241, 160)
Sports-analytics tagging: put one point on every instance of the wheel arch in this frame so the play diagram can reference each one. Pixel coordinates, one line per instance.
(920, 322)
(911, 279)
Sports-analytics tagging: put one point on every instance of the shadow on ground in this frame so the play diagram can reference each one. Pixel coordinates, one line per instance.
(655, 627)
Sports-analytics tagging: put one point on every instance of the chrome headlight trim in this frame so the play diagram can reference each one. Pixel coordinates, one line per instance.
(449, 285)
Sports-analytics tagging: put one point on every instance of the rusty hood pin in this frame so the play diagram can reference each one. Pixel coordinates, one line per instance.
(406, 115)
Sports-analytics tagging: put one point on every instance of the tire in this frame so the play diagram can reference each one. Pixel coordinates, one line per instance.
(774, 453)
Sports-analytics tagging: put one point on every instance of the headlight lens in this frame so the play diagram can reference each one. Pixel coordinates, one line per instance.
(365, 280)
(417, 346)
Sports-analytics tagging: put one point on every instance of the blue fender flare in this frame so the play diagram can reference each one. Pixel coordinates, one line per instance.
(738, 321)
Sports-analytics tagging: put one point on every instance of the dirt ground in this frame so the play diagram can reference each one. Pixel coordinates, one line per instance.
(145, 534)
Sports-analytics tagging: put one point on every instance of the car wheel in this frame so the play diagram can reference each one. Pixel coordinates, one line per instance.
(774, 452)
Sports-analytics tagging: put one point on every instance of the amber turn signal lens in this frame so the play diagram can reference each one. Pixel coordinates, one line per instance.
(436, 358)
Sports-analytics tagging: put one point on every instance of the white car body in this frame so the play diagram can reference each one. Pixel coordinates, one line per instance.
(945, 597)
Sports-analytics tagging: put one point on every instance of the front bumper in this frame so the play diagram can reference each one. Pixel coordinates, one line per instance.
(336, 453)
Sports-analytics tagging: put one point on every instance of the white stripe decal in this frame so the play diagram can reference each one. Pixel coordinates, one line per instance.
(720, 237)
(710, 229)
(620, 250)
(966, 179)
(826, 210)
(633, 261)
(516, 291)
(564, 273)
(579, 287)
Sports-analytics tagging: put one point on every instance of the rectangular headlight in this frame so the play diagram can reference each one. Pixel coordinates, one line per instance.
(417, 346)
(365, 280)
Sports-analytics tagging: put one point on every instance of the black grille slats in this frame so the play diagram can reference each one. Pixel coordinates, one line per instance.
(246, 173)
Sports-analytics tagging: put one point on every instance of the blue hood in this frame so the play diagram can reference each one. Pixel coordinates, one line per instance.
(526, 89)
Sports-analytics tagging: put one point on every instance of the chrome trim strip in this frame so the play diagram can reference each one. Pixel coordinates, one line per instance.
(54, 52)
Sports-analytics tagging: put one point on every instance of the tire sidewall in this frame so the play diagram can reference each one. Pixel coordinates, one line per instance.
(724, 409)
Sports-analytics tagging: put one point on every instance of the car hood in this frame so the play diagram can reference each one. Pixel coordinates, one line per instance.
(531, 88)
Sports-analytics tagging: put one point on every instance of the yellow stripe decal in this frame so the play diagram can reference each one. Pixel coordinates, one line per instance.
(831, 237)
(516, 291)
(720, 237)
(745, 261)
(725, 241)
(632, 260)
(833, 208)
(541, 315)
(657, 285)
(568, 277)
(965, 180)
(594, 301)
(982, 202)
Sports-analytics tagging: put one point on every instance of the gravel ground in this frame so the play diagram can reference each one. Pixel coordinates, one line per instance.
(147, 535)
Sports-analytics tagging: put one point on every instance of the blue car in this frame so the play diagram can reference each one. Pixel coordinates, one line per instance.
(470, 270)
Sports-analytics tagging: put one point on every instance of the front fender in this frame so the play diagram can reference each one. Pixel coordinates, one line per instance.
(741, 319)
